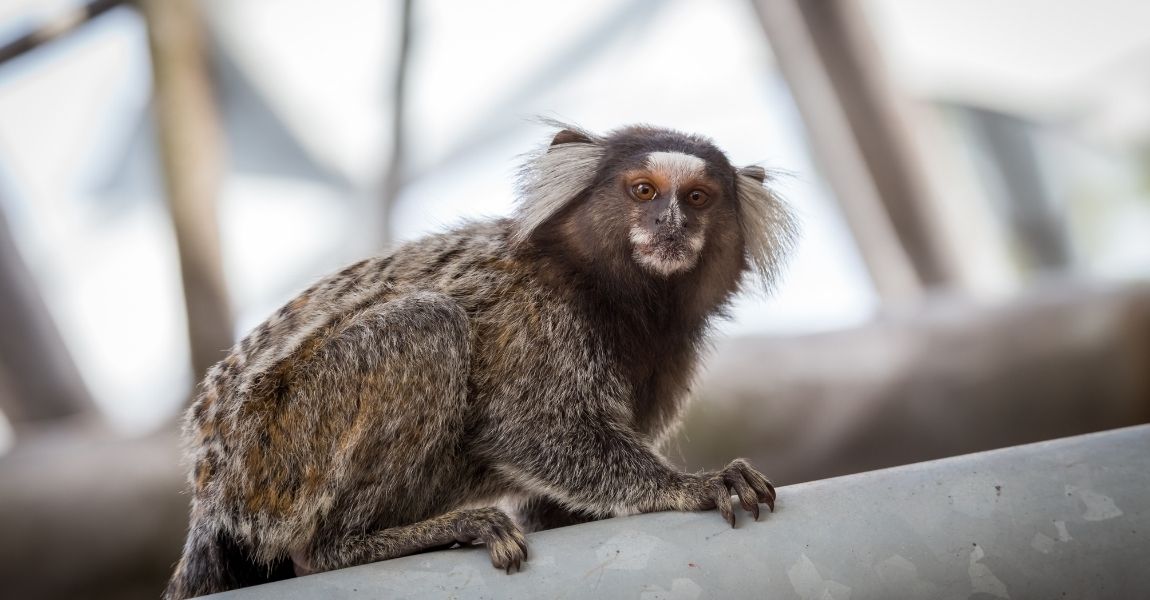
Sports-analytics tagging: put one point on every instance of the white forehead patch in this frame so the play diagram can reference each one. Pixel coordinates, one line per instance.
(678, 166)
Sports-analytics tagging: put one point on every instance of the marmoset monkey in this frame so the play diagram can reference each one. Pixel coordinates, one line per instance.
(542, 357)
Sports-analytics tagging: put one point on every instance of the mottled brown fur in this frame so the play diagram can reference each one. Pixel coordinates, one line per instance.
(389, 407)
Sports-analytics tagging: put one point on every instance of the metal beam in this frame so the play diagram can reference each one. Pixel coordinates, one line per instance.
(1067, 518)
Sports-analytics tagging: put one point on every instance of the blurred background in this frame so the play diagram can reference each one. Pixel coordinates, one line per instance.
(972, 178)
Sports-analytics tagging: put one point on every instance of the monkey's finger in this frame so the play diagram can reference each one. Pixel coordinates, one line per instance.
(761, 484)
(771, 494)
(505, 560)
(723, 502)
(747, 496)
(500, 553)
(522, 543)
(764, 487)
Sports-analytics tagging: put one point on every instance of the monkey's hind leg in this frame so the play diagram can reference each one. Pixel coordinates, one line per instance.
(391, 384)
(505, 542)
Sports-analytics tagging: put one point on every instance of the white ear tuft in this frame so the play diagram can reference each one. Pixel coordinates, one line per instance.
(769, 229)
(551, 179)
(754, 172)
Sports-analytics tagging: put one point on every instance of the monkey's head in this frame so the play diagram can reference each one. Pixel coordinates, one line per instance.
(649, 202)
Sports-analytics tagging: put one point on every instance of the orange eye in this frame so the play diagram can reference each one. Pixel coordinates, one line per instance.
(697, 198)
(643, 191)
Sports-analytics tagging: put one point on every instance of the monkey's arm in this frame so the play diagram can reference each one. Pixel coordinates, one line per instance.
(577, 449)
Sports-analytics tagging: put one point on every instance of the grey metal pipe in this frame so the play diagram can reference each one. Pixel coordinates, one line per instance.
(1063, 519)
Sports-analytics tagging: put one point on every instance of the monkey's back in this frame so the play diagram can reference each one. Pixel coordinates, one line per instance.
(264, 458)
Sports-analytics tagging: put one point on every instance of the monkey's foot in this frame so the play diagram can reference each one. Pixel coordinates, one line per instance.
(503, 538)
(743, 480)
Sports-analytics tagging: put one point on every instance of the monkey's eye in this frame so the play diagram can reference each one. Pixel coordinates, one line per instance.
(643, 191)
(697, 198)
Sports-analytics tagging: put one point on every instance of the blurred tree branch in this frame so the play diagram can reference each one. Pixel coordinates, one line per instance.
(393, 174)
(90, 514)
(190, 145)
(63, 24)
(854, 117)
(40, 381)
(940, 379)
(1022, 192)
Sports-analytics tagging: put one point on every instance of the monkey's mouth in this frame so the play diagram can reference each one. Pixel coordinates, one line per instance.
(664, 252)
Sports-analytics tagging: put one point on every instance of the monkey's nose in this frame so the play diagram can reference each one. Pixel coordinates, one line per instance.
(671, 215)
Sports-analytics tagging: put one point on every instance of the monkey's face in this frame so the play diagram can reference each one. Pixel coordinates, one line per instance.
(669, 196)
(654, 203)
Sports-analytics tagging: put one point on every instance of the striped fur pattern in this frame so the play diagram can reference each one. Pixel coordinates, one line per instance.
(531, 362)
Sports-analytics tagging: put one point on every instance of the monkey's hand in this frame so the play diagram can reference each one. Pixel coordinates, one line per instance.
(505, 542)
(711, 490)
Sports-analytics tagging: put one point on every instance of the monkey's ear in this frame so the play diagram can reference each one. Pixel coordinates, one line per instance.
(553, 178)
(769, 230)
(570, 136)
